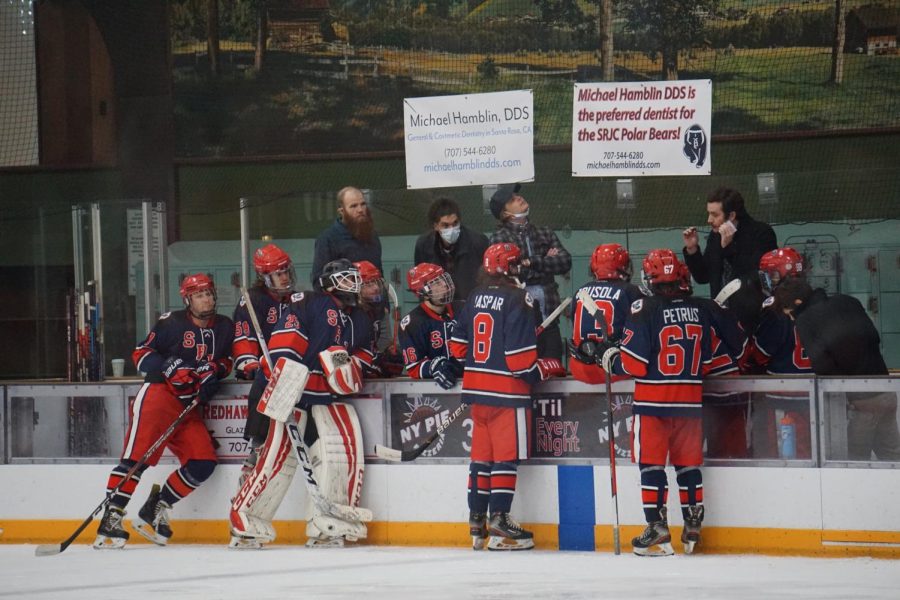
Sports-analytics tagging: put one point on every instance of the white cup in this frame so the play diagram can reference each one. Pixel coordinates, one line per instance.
(118, 367)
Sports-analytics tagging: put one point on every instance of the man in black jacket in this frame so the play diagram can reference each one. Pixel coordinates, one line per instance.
(733, 249)
(351, 236)
(450, 244)
(840, 339)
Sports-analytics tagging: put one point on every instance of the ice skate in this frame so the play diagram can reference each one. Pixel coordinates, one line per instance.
(690, 536)
(153, 519)
(244, 542)
(110, 533)
(655, 540)
(506, 534)
(478, 530)
(324, 541)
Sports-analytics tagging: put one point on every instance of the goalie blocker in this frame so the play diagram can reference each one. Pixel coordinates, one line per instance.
(334, 439)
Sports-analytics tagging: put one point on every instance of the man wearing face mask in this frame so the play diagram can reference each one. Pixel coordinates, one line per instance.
(451, 245)
(543, 257)
(734, 246)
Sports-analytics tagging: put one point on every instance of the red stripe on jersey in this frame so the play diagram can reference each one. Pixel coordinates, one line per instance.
(521, 360)
(632, 365)
(681, 393)
(364, 356)
(289, 338)
(458, 349)
(498, 383)
(139, 353)
(414, 370)
(317, 383)
(245, 346)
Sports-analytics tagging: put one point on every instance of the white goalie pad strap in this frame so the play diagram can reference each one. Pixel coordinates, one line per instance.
(261, 494)
(338, 461)
(284, 389)
(342, 372)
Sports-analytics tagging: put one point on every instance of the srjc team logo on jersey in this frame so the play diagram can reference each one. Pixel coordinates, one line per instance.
(436, 340)
(272, 317)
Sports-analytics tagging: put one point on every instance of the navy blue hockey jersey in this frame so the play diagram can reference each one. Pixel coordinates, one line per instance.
(176, 334)
(776, 345)
(496, 337)
(425, 334)
(667, 348)
(246, 350)
(313, 323)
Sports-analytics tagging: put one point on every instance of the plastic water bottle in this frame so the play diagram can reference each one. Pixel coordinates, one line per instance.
(788, 432)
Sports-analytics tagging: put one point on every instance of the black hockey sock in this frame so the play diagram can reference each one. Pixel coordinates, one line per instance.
(503, 486)
(479, 486)
(690, 487)
(654, 489)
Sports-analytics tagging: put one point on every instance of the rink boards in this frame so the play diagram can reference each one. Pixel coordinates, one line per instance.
(818, 506)
(840, 512)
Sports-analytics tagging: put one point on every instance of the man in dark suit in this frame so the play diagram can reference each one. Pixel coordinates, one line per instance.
(733, 248)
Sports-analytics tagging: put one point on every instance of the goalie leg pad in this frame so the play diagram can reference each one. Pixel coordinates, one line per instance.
(338, 465)
(337, 456)
(261, 494)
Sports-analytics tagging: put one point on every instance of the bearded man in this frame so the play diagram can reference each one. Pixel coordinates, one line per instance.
(351, 236)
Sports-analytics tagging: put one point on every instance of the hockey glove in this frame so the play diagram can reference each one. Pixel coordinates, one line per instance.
(248, 371)
(585, 352)
(342, 371)
(182, 380)
(443, 372)
(550, 367)
(606, 355)
(209, 382)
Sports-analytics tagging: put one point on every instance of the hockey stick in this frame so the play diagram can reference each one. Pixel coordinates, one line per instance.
(51, 549)
(394, 455)
(326, 506)
(552, 316)
(395, 315)
(727, 292)
(595, 312)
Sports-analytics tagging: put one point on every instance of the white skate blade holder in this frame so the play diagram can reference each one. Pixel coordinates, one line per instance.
(497, 542)
(657, 550)
(146, 531)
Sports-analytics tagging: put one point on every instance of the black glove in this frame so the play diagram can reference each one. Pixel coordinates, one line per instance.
(208, 382)
(606, 355)
(585, 352)
(456, 367)
(443, 372)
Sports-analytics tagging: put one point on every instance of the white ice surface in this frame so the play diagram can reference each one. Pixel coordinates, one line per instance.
(364, 573)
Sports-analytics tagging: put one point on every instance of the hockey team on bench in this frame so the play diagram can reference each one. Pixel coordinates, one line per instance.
(660, 335)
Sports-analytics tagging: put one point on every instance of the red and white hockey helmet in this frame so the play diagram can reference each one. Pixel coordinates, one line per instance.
(431, 282)
(194, 284)
(684, 278)
(502, 259)
(611, 261)
(271, 263)
(778, 265)
(661, 266)
(372, 289)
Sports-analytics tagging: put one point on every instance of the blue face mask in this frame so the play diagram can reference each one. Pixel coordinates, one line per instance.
(450, 235)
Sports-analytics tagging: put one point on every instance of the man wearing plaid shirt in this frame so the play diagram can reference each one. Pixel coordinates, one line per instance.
(543, 257)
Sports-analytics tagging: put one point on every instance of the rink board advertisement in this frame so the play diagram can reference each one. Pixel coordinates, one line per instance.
(469, 139)
(225, 419)
(563, 425)
(629, 129)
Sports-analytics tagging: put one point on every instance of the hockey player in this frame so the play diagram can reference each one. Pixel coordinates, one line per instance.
(667, 347)
(328, 333)
(613, 292)
(270, 296)
(373, 297)
(426, 330)
(184, 356)
(775, 346)
(497, 339)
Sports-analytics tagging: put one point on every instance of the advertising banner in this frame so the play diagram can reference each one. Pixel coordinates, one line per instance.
(626, 129)
(563, 425)
(470, 139)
